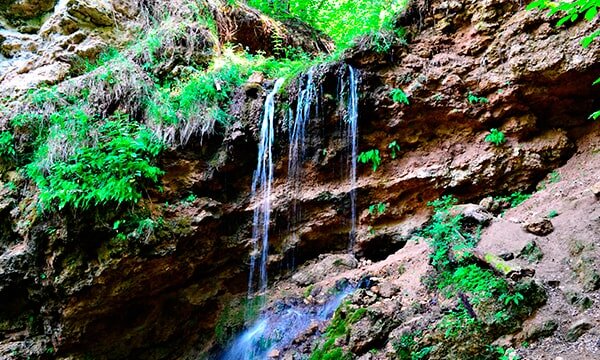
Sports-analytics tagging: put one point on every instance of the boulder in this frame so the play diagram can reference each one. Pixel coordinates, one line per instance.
(539, 227)
(578, 328)
(473, 212)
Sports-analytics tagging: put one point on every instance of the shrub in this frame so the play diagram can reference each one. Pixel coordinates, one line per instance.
(515, 199)
(342, 20)
(7, 148)
(113, 170)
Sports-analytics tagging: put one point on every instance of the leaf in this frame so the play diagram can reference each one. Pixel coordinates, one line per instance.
(591, 13)
(586, 41)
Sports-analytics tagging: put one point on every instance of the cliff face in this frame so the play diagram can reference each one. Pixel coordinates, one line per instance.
(70, 289)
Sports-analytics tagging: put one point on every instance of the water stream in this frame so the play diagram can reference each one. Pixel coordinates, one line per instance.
(261, 193)
(277, 327)
(307, 99)
(352, 120)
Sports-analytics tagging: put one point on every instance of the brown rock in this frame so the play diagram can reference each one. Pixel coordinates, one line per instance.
(538, 330)
(540, 227)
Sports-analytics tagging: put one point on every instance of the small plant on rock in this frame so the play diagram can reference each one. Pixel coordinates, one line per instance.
(377, 209)
(372, 156)
(394, 148)
(474, 99)
(496, 137)
(399, 96)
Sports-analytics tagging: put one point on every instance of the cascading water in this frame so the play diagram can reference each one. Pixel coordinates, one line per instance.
(261, 193)
(352, 121)
(297, 131)
(278, 327)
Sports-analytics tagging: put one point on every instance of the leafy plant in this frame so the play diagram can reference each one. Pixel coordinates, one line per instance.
(474, 99)
(342, 20)
(370, 156)
(571, 12)
(394, 148)
(399, 96)
(407, 348)
(552, 214)
(377, 209)
(514, 199)
(495, 137)
(111, 171)
(7, 149)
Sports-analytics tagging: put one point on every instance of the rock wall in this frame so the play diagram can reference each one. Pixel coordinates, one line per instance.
(68, 291)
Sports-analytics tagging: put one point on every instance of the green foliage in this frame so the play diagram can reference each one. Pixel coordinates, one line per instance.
(552, 214)
(230, 321)
(399, 96)
(487, 303)
(338, 327)
(474, 99)
(7, 148)
(371, 156)
(342, 20)
(113, 170)
(495, 137)
(505, 354)
(377, 209)
(394, 148)
(515, 199)
(571, 12)
(459, 324)
(407, 348)
(446, 234)
(481, 284)
(210, 90)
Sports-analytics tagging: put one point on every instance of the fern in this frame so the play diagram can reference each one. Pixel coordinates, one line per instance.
(371, 156)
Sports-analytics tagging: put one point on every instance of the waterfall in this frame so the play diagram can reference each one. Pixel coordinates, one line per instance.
(297, 130)
(276, 328)
(261, 193)
(352, 121)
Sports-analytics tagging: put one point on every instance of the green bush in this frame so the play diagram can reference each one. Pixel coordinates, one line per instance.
(377, 209)
(342, 20)
(7, 148)
(113, 170)
(515, 199)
